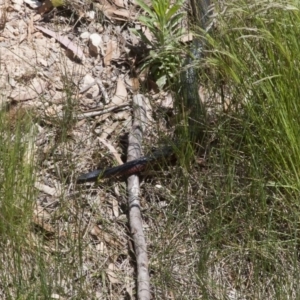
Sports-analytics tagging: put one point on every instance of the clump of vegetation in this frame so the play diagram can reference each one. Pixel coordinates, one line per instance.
(163, 20)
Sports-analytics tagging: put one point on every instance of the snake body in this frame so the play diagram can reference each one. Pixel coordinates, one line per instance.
(128, 168)
(190, 96)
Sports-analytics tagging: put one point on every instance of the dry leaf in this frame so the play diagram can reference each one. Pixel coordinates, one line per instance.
(29, 92)
(53, 110)
(108, 130)
(46, 189)
(41, 213)
(123, 13)
(167, 102)
(102, 235)
(135, 84)
(122, 115)
(106, 8)
(119, 3)
(129, 288)
(3, 17)
(121, 93)
(112, 13)
(115, 206)
(148, 33)
(187, 38)
(47, 229)
(76, 50)
(112, 276)
(111, 149)
(108, 55)
(111, 52)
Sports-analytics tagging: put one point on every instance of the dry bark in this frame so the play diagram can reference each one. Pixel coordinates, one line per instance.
(135, 218)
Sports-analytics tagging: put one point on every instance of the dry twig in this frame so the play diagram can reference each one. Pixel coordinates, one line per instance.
(135, 218)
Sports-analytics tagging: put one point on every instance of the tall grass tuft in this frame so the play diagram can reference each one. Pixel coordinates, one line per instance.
(16, 200)
(16, 182)
(252, 232)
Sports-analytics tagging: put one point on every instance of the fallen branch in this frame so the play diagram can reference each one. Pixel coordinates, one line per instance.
(98, 111)
(135, 218)
(102, 111)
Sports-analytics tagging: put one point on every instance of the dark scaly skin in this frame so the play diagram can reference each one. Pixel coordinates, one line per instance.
(128, 168)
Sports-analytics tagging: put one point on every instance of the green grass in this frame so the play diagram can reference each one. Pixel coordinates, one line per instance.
(252, 231)
(164, 21)
(17, 194)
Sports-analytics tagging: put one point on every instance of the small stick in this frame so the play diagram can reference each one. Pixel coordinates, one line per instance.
(98, 111)
(101, 111)
(135, 218)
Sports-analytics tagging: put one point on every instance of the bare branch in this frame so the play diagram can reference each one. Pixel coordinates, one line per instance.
(135, 218)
